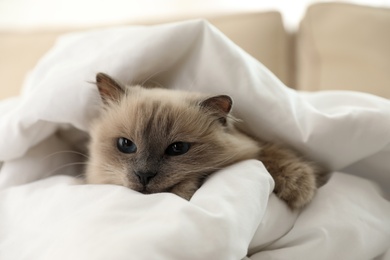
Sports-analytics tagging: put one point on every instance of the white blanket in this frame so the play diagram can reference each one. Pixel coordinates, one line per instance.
(47, 214)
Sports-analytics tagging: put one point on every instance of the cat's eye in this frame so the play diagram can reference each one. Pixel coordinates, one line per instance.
(125, 145)
(178, 148)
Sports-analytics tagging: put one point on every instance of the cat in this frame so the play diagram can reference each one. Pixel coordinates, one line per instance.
(159, 140)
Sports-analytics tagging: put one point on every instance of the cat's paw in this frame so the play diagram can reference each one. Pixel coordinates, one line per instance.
(185, 189)
(297, 186)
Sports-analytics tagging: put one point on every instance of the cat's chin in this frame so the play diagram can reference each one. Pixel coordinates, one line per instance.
(184, 189)
(148, 190)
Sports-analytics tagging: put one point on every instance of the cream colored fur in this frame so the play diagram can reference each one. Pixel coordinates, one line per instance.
(155, 118)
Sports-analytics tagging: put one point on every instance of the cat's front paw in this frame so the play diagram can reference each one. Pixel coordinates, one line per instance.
(298, 186)
(185, 189)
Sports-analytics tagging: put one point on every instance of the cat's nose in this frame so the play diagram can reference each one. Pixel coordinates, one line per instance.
(145, 177)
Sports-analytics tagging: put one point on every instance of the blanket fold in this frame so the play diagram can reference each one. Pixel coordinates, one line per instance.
(45, 210)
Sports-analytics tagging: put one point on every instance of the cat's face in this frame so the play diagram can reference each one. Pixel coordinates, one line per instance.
(153, 139)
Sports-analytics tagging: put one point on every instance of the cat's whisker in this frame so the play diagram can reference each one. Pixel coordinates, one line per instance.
(64, 152)
(219, 165)
(203, 169)
(80, 176)
(151, 76)
(153, 117)
(113, 176)
(228, 159)
(157, 83)
(52, 172)
(193, 83)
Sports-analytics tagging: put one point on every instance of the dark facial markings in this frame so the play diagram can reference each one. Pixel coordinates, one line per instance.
(154, 140)
(158, 125)
(145, 177)
(148, 129)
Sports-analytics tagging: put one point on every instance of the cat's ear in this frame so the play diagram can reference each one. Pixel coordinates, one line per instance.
(219, 105)
(109, 89)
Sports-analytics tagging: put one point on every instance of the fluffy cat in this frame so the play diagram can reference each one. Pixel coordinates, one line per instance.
(160, 140)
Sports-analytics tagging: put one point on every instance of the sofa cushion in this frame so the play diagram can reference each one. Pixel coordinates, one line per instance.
(344, 46)
(261, 34)
(19, 52)
(264, 37)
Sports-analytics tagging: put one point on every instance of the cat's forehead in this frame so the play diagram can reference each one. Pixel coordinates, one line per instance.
(138, 99)
(157, 114)
(166, 95)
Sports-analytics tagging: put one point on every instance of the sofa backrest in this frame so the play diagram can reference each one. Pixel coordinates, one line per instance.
(344, 47)
(260, 34)
(338, 46)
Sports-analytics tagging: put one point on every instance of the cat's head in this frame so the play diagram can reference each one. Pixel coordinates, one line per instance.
(153, 139)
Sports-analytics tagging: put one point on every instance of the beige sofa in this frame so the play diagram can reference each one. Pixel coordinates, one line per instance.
(337, 47)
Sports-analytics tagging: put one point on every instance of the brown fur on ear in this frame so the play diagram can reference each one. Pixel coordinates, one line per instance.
(220, 105)
(109, 89)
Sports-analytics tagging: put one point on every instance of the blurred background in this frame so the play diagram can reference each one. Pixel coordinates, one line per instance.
(59, 13)
(310, 45)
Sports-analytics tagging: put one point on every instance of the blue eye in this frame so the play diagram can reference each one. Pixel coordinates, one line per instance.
(125, 145)
(178, 148)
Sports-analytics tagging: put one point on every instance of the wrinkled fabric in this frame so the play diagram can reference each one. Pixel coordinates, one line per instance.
(47, 213)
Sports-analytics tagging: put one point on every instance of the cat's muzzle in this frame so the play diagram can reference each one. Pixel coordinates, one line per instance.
(145, 177)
